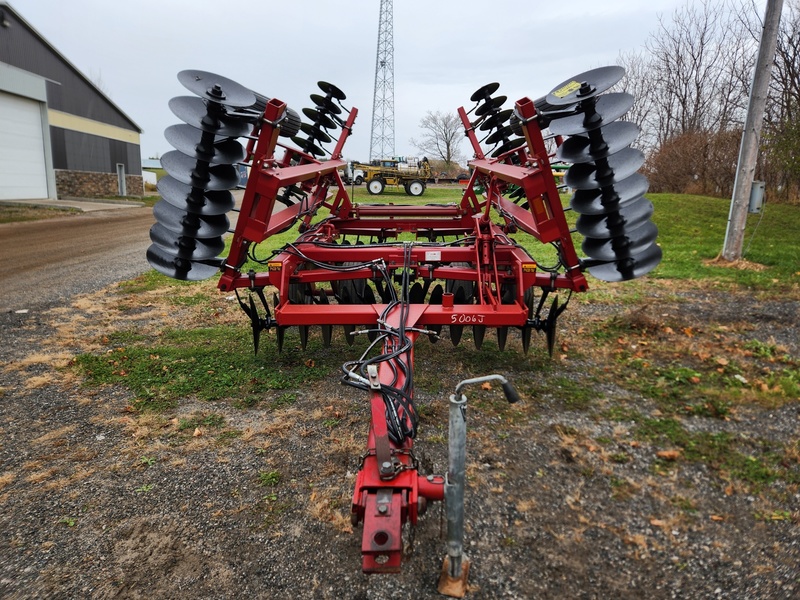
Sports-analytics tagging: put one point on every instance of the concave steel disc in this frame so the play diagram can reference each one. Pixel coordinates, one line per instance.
(508, 147)
(618, 223)
(186, 246)
(628, 268)
(331, 90)
(195, 200)
(490, 105)
(194, 111)
(613, 137)
(499, 135)
(316, 132)
(484, 92)
(586, 85)
(179, 268)
(587, 176)
(188, 224)
(496, 120)
(609, 107)
(215, 150)
(326, 104)
(216, 88)
(197, 174)
(308, 146)
(633, 242)
(317, 117)
(601, 201)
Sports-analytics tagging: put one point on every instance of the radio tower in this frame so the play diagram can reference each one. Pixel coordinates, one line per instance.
(382, 143)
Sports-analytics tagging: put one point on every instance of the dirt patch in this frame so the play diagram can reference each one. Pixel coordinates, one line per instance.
(597, 485)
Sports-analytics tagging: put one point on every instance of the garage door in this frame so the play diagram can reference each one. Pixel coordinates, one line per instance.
(22, 167)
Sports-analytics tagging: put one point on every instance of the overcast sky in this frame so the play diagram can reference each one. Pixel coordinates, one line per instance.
(443, 50)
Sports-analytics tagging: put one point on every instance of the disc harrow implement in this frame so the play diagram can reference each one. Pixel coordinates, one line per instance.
(397, 272)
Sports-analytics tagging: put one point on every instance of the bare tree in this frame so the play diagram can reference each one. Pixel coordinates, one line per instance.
(442, 137)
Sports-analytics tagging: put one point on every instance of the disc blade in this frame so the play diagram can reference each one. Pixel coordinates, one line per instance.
(255, 325)
(490, 105)
(609, 199)
(199, 174)
(499, 135)
(195, 200)
(192, 142)
(509, 146)
(317, 117)
(586, 85)
(193, 110)
(185, 246)
(348, 330)
(624, 246)
(484, 92)
(628, 268)
(416, 295)
(316, 133)
(436, 300)
(303, 336)
(550, 326)
(583, 148)
(280, 335)
(325, 104)
(331, 90)
(608, 108)
(179, 268)
(502, 337)
(526, 338)
(308, 146)
(188, 224)
(478, 333)
(455, 334)
(587, 176)
(216, 88)
(617, 223)
(496, 120)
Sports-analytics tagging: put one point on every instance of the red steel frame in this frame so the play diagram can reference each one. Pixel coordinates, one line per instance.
(385, 500)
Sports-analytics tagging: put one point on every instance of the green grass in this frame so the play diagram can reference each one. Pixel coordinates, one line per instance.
(207, 363)
(692, 232)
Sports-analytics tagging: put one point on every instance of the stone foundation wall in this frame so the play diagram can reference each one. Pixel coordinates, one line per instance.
(88, 184)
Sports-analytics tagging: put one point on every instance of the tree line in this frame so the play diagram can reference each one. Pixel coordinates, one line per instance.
(692, 85)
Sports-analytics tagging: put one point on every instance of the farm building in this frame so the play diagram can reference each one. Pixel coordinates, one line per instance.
(60, 136)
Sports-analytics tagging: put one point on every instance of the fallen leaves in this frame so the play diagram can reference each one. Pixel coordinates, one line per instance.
(670, 455)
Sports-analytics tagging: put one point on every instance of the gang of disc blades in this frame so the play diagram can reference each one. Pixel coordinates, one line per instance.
(317, 117)
(189, 171)
(608, 108)
(179, 268)
(216, 88)
(484, 92)
(324, 103)
(195, 200)
(185, 246)
(308, 146)
(581, 148)
(190, 225)
(193, 110)
(509, 146)
(586, 85)
(601, 201)
(616, 223)
(331, 90)
(628, 268)
(633, 242)
(189, 140)
(496, 120)
(587, 176)
(490, 105)
(316, 133)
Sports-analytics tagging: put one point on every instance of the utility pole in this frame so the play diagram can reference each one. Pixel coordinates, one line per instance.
(751, 137)
(382, 142)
